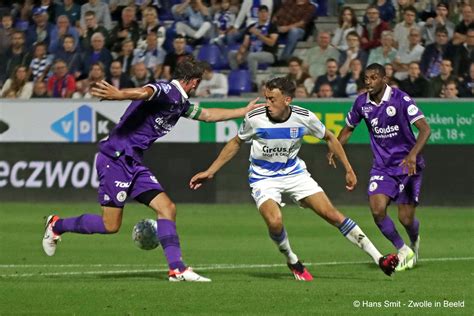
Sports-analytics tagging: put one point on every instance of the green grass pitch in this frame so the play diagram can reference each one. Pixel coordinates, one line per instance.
(108, 275)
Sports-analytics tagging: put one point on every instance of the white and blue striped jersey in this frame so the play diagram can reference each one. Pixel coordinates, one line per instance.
(275, 145)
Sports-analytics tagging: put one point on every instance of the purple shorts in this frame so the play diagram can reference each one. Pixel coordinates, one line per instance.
(122, 177)
(402, 189)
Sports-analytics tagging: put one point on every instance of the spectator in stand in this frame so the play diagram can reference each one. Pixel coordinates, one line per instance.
(432, 24)
(353, 80)
(315, 58)
(71, 56)
(384, 54)
(193, 19)
(39, 90)
(353, 52)
(400, 9)
(415, 85)
(386, 10)
(249, 13)
(17, 55)
(18, 86)
(406, 55)
(434, 53)
(347, 23)
(390, 74)
(40, 64)
(150, 23)
(6, 32)
(212, 85)
(61, 84)
(301, 92)
(222, 21)
(50, 7)
(445, 75)
(116, 7)
(325, 91)
(96, 75)
(172, 59)
(126, 57)
(291, 20)
(97, 53)
(58, 33)
(117, 78)
(90, 29)
(450, 90)
(41, 30)
(71, 10)
(372, 31)
(297, 75)
(153, 56)
(259, 46)
(402, 29)
(460, 31)
(462, 55)
(102, 13)
(466, 86)
(331, 77)
(141, 75)
(126, 28)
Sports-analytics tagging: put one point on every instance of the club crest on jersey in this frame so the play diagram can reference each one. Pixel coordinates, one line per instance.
(391, 111)
(293, 132)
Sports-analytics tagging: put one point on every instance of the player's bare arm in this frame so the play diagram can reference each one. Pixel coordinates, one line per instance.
(343, 138)
(226, 154)
(106, 91)
(216, 114)
(409, 162)
(336, 147)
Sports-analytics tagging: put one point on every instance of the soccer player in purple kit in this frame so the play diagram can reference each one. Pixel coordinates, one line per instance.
(397, 163)
(155, 110)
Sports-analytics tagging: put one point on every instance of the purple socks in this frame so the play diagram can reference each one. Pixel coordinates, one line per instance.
(387, 228)
(413, 230)
(84, 224)
(169, 240)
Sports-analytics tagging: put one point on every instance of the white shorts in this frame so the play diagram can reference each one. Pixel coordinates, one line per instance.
(296, 186)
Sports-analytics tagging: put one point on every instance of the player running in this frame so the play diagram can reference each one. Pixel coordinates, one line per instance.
(155, 110)
(276, 132)
(396, 171)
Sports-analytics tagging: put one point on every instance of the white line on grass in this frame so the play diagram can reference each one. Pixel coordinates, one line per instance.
(203, 267)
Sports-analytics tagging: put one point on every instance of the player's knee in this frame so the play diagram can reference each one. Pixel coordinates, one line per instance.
(167, 211)
(275, 222)
(405, 221)
(112, 228)
(378, 215)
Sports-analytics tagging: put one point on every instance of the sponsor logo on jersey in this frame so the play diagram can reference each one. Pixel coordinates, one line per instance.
(120, 184)
(386, 132)
(407, 98)
(367, 108)
(274, 151)
(83, 125)
(412, 110)
(373, 186)
(391, 111)
(162, 123)
(373, 178)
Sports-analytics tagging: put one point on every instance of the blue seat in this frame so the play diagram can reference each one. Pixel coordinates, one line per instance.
(212, 54)
(239, 81)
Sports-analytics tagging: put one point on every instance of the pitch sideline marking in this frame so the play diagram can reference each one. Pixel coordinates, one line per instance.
(203, 268)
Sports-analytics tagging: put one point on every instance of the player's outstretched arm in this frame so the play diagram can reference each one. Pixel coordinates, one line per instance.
(106, 91)
(343, 138)
(409, 162)
(216, 114)
(336, 147)
(226, 154)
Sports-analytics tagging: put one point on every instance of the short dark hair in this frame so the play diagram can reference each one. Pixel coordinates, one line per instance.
(89, 13)
(188, 70)
(411, 9)
(441, 29)
(263, 8)
(206, 66)
(286, 86)
(378, 68)
(295, 59)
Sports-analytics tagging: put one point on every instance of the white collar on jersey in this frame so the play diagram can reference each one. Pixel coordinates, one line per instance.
(385, 97)
(180, 89)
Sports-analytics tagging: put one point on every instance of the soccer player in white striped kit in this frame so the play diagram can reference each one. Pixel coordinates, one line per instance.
(276, 132)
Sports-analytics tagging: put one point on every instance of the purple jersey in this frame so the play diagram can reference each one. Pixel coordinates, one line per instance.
(389, 125)
(146, 120)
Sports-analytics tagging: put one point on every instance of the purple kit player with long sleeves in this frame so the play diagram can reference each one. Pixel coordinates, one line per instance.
(397, 166)
(155, 110)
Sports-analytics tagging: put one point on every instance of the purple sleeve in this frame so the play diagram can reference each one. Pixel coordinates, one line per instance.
(353, 116)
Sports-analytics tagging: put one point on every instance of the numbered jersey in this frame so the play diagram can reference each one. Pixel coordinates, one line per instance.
(389, 125)
(275, 145)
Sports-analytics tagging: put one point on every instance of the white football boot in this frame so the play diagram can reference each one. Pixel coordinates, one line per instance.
(50, 239)
(187, 275)
(406, 258)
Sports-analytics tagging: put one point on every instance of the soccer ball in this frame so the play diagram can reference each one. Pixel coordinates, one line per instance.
(144, 234)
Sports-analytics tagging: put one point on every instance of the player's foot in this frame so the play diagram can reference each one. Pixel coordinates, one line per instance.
(388, 263)
(406, 258)
(50, 239)
(300, 272)
(187, 275)
(415, 246)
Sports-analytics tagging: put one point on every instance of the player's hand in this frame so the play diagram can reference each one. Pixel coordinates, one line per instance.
(198, 180)
(253, 105)
(409, 164)
(331, 160)
(351, 180)
(105, 91)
